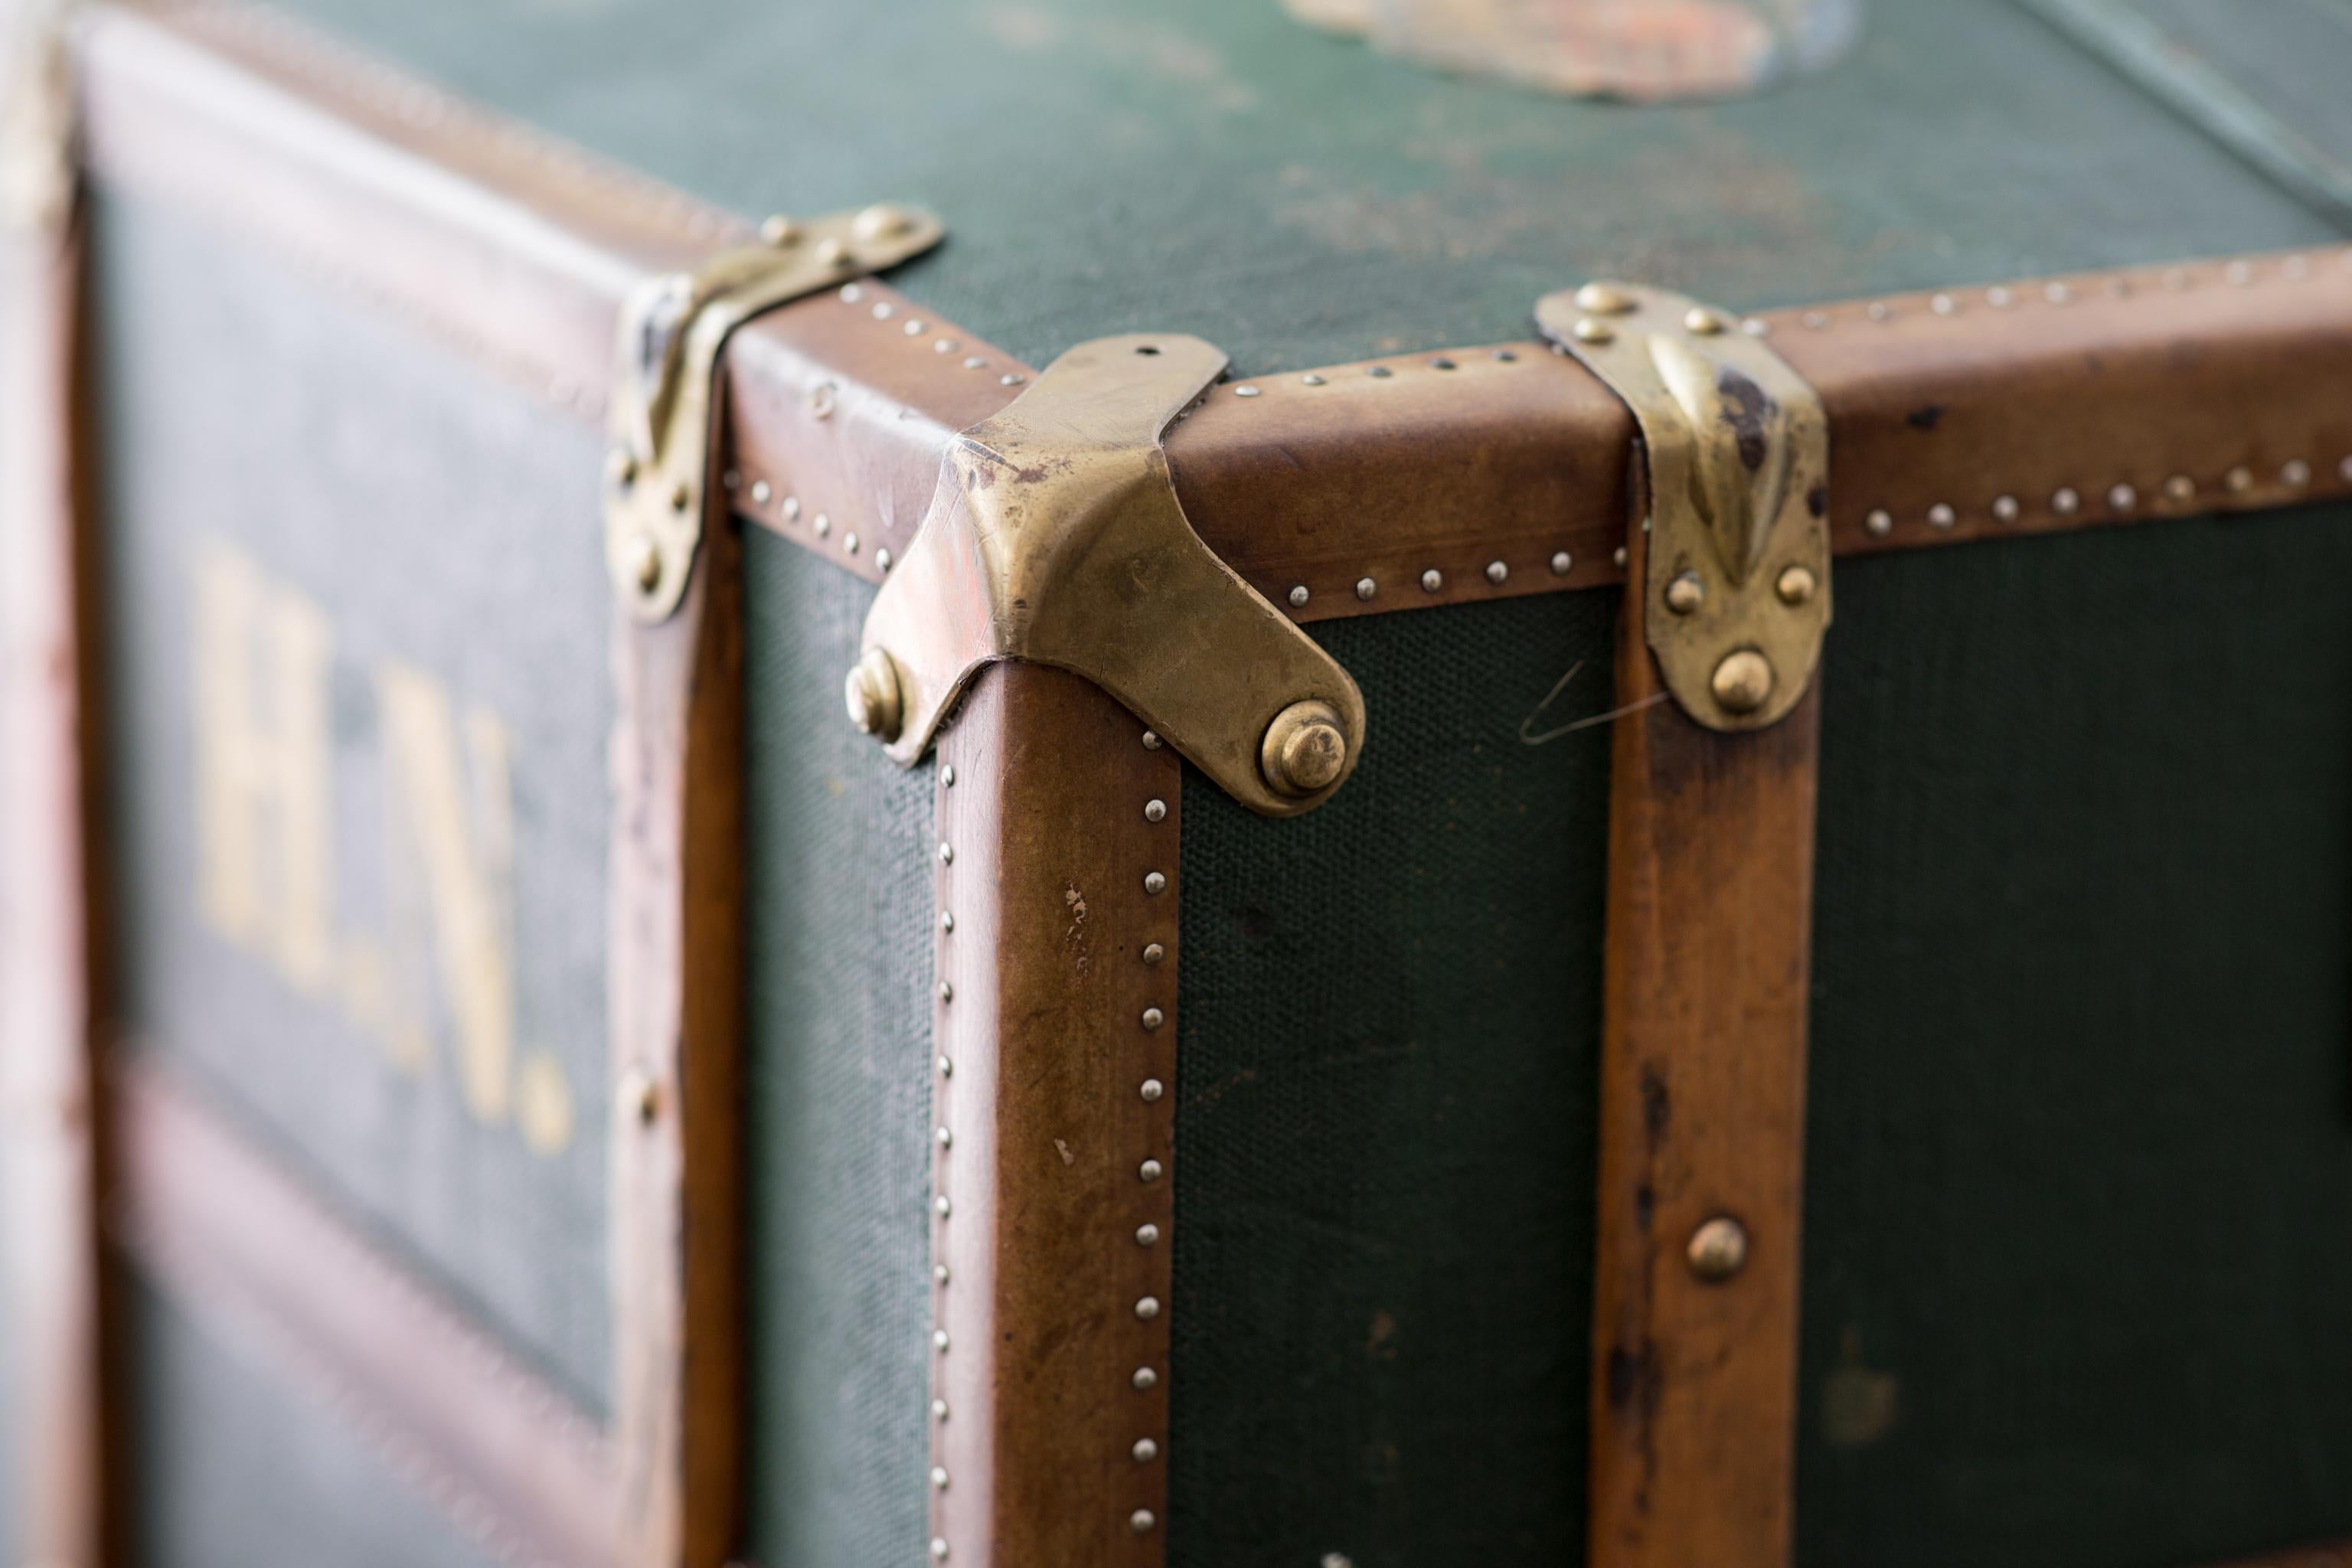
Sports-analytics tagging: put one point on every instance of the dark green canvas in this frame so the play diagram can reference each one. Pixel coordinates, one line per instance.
(424, 524)
(2082, 1053)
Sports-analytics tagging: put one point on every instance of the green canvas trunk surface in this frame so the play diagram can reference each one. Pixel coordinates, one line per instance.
(2080, 1128)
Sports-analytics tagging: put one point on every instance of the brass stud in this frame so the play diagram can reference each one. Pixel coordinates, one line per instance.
(1619, 556)
(680, 497)
(1147, 1307)
(1588, 329)
(945, 1136)
(1941, 515)
(1153, 1018)
(1155, 882)
(1702, 322)
(942, 1206)
(2004, 508)
(1153, 953)
(1561, 562)
(1145, 1450)
(1150, 742)
(1880, 523)
(873, 696)
(1795, 586)
(939, 1338)
(1304, 750)
(946, 919)
(622, 467)
(1147, 1235)
(939, 1548)
(1298, 596)
(1686, 593)
(2239, 480)
(946, 1067)
(778, 230)
(1141, 1521)
(1148, 1171)
(640, 1097)
(1497, 573)
(1145, 1378)
(2065, 501)
(947, 775)
(1717, 1249)
(2295, 474)
(1366, 588)
(1605, 300)
(938, 1409)
(881, 221)
(1155, 811)
(1742, 682)
(645, 562)
(947, 853)
(1432, 581)
(938, 1478)
(1151, 1090)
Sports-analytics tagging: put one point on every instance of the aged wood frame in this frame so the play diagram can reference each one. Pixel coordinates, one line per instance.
(1407, 481)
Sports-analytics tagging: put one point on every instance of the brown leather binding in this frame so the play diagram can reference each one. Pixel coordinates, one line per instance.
(1701, 1119)
(1055, 1368)
(48, 923)
(245, 1250)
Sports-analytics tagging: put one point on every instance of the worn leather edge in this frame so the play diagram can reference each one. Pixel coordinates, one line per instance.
(246, 1249)
(50, 1127)
(1051, 1318)
(1702, 1114)
(675, 982)
(1484, 466)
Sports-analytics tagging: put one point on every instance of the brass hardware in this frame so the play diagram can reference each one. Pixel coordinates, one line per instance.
(1718, 1249)
(37, 119)
(1736, 463)
(872, 693)
(1603, 300)
(1056, 536)
(1743, 682)
(665, 398)
(1305, 750)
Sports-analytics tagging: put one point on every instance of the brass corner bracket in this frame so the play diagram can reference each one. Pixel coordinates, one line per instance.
(1055, 535)
(1737, 504)
(664, 403)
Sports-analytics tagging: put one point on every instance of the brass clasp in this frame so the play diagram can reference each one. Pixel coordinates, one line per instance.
(665, 395)
(1737, 503)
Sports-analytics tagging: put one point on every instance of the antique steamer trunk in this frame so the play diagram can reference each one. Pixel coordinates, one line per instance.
(1371, 977)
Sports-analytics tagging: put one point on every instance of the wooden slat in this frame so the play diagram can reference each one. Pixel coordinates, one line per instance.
(1055, 1369)
(1702, 1117)
(237, 1239)
(51, 1295)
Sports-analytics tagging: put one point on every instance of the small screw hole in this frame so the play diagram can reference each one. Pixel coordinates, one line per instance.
(1147, 348)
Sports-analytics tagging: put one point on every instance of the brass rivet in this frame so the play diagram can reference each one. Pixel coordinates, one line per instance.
(1718, 1248)
(1144, 1377)
(680, 497)
(1596, 332)
(881, 221)
(645, 562)
(1141, 1521)
(1153, 953)
(1686, 593)
(939, 1547)
(621, 466)
(872, 695)
(1742, 682)
(1155, 811)
(776, 229)
(1145, 1450)
(1604, 300)
(1703, 321)
(2239, 479)
(1305, 750)
(640, 1097)
(1796, 585)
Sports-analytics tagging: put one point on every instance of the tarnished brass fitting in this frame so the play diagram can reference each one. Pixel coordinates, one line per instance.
(1304, 749)
(871, 694)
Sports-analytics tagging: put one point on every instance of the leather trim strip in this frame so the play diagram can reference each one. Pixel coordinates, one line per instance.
(247, 1250)
(1055, 1095)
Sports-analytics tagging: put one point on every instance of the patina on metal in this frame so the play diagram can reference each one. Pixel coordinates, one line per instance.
(665, 391)
(1736, 449)
(1055, 536)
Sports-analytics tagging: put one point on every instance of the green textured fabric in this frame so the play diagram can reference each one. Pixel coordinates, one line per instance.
(840, 947)
(439, 521)
(2081, 1137)
(1385, 1134)
(234, 1467)
(1215, 167)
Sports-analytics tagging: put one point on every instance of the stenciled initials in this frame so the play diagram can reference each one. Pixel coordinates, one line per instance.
(265, 771)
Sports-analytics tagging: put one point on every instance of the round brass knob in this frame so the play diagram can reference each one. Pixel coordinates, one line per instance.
(871, 694)
(1686, 593)
(1795, 585)
(1718, 1248)
(1305, 750)
(1742, 682)
(641, 560)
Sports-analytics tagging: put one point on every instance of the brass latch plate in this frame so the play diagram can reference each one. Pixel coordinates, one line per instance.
(664, 413)
(1055, 535)
(1736, 499)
